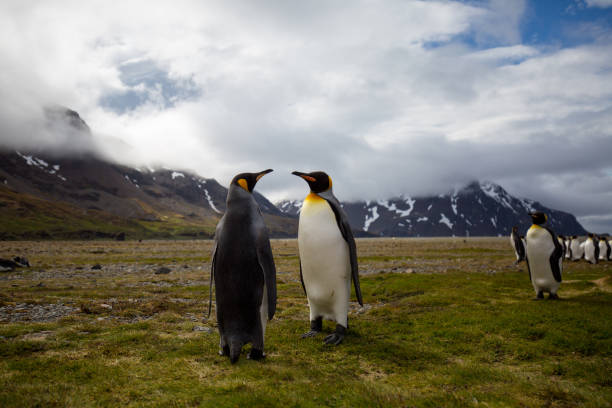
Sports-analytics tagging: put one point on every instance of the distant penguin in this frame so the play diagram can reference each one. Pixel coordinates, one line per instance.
(517, 244)
(328, 257)
(561, 240)
(568, 247)
(591, 249)
(243, 271)
(544, 260)
(577, 249)
(604, 249)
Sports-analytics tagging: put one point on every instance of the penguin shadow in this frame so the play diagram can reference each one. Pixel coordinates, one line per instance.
(359, 341)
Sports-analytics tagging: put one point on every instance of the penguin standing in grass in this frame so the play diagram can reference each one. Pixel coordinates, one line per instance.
(328, 257)
(577, 249)
(517, 244)
(544, 261)
(604, 249)
(243, 272)
(568, 247)
(591, 249)
(561, 240)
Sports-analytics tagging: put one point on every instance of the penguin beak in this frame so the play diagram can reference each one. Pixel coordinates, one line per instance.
(304, 176)
(263, 173)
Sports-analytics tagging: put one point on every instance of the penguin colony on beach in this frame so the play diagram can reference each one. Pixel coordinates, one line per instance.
(244, 275)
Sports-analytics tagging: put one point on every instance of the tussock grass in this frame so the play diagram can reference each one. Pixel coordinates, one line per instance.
(448, 322)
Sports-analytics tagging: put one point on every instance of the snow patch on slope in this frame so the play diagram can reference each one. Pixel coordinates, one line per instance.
(210, 202)
(369, 219)
(446, 221)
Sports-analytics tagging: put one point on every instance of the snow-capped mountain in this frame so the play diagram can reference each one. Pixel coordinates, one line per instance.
(66, 195)
(480, 208)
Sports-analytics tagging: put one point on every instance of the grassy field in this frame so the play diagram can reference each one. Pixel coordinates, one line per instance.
(447, 322)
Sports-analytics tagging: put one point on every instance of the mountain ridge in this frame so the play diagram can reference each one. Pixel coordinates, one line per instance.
(144, 197)
(480, 208)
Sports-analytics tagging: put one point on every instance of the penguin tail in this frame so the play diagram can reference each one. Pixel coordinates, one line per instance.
(235, 348)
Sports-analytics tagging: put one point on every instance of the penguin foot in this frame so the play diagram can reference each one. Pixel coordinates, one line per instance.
(310, 333)
(256, 355)
(316, 326)
(553, 296)
(539, 296)
(337, 337)
(225, 351)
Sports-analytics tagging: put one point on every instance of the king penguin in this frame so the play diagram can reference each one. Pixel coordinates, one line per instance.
(577, 249)
(243, 272)
(568, 247)
(561, 240)
(604, 249)
(544, 261)
(517, 244)
(591, 249)
(328, 257)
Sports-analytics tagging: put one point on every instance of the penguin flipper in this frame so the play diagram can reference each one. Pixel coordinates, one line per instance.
(555, 256)
(347, 234)
(266, 262)
(212, 273)
(520, 248)
(302, 279)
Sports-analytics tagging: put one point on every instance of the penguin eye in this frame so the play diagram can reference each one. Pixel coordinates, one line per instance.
(243, 183)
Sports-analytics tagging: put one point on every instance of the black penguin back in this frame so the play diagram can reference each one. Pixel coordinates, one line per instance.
(238, 275)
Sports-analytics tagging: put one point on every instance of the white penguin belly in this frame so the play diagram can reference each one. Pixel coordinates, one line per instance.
(603, 249)
(577, 250)
(539, 249)
(589, 251)
(324, 257)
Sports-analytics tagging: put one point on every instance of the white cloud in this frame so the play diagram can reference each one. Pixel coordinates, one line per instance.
(599, 3)
(413, 97)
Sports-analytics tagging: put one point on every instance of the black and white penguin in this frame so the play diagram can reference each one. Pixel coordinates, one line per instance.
(577, 249)
(604, 249)
(561, 240)
(591, 249)
(544, 260)
(517, 244)
(243, 271)
(328, 257)
(568, 247)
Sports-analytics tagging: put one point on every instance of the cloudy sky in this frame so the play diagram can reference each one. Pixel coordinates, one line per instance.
(388, 97)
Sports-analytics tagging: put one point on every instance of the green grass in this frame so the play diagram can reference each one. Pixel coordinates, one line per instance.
(465, 336)
(27, 217)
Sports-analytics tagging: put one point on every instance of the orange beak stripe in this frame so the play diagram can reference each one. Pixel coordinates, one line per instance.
(308, 178)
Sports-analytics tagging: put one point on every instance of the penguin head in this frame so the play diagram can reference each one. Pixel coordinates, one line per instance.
(318, 181)
(247, 181)
(538, 217)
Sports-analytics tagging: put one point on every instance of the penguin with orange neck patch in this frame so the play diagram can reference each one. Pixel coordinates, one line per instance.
(243, 272)
(328, 257)
(544, 257)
